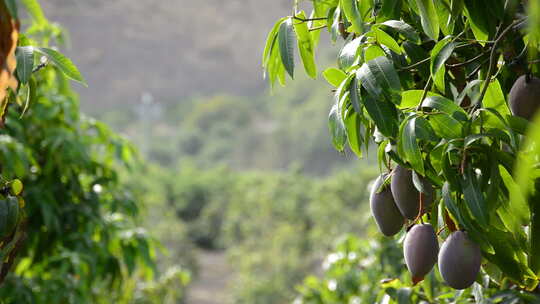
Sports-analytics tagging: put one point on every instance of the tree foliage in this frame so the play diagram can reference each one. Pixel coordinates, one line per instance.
(77, 239)
(427, 82)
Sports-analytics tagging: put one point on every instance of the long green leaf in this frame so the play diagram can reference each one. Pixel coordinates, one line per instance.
(474, 197)
(518, 204)
(527, 176)
(424, 131)
(380, 79)
(429, 18)
(478, 19)
(385, 39)
(445, 126)
(305, 46)
(383, 114)
(350, 8)
(440, 53)
(270, 42)
(405, 29)
(286, 45)
(25, 62)
(354, 95)
(337, 127)
(334, 76)
(349, 53)
(354, 134)
(494, 98)
(442, 104)
(334, 27)
(409, 145)
(63, 63)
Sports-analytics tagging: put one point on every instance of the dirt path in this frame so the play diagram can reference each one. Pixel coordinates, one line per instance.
(211, 285)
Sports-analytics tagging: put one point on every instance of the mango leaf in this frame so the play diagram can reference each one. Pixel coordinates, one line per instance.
(25, 63)
(440, 53)
(390, 9)
(409, 145)
(63, 63)
(424, 131)
(518, 204)
(527, 176)
(337, 128)
(505, 255)
(385, 39)
(445, 126)
(478, 19)
(334, 76)
(350, 8)
(404, 29)
(354, 95)
(334, 29)
(305, 46)
(349, 53)
(442, 104)
(445, 22)
(383, 114)
(275, 69)
(354, 134)
(380, 79)
(412, 98)
(373, 51)
(474, 197)
(428, 18)
(270, 42)
(439, 79)
(286, 45)
(451, 204)
(494, 98)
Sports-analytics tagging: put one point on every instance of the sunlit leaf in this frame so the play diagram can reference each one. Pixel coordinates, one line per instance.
(350, 8)
(334, 76)
(305, 46)
(63, 63)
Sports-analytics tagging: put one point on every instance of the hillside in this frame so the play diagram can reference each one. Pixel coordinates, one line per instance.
(172, 49)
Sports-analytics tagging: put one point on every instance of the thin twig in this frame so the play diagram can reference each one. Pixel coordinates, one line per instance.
(414, 64)
(317, 28)
(467, 61)
(309, 19)
(39, 67)
(426, 60)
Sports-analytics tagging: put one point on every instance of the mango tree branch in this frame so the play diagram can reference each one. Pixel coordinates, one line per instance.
(493, 57)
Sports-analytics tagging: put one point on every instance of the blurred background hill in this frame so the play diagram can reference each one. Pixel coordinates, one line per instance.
(242, 187)
(172, 49)
(197, 66)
